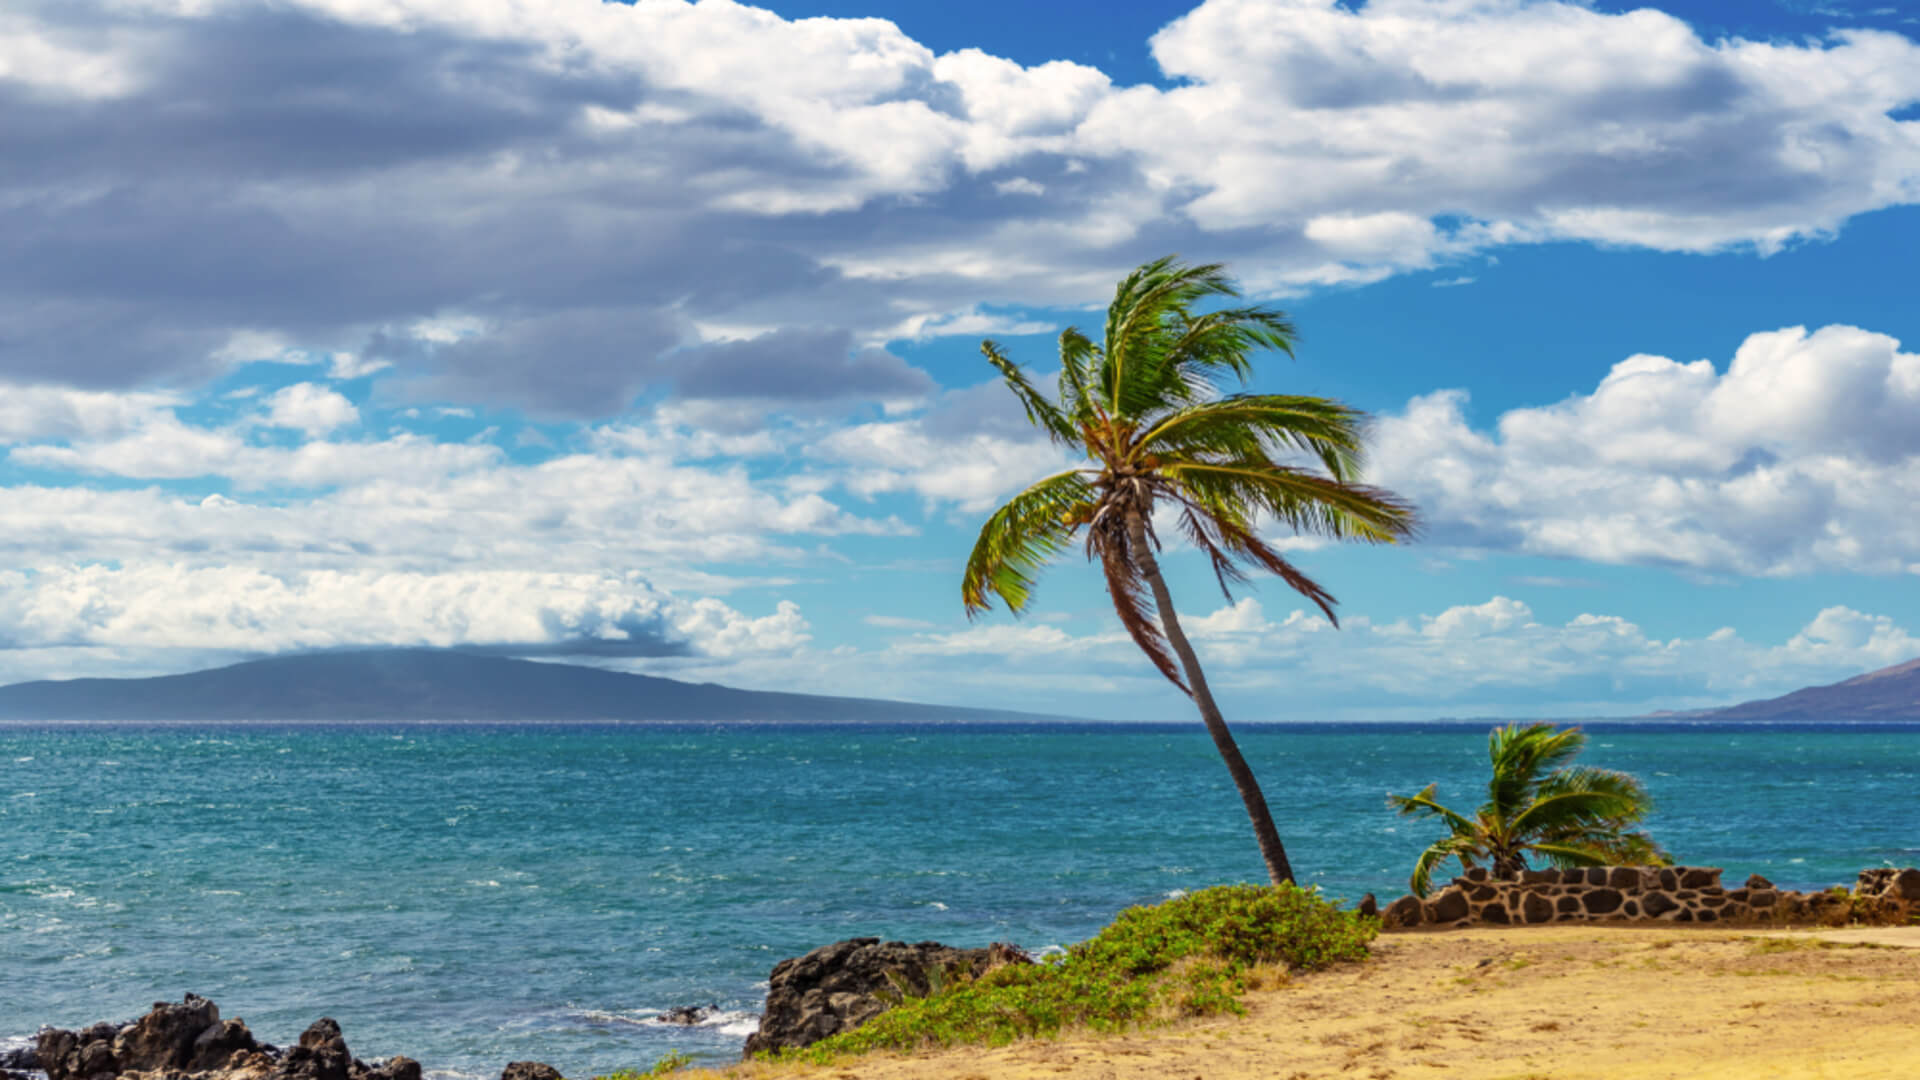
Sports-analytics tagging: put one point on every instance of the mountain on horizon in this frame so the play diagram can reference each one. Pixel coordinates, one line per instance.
(435, 684)
(1888, 694)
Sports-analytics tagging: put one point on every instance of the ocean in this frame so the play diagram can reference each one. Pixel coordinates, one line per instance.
(473, 895)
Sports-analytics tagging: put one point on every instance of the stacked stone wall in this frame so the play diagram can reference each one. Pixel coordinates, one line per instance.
(1675, 894)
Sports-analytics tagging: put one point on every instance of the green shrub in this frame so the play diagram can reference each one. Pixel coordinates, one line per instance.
(1184, 957)
(672, 1062)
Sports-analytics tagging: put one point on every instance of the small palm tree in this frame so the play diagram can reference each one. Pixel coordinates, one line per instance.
(1567, 816)
(1147, 406)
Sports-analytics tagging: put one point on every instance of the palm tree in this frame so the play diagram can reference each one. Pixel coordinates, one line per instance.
(1148, 408)
(1568, 816)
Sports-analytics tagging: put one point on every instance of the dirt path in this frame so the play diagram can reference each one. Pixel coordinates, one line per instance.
(1547, 1003)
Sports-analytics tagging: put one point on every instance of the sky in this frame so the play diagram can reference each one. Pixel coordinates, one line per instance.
(647, 335)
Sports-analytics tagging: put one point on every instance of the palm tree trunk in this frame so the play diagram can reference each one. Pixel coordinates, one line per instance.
(1271, 850)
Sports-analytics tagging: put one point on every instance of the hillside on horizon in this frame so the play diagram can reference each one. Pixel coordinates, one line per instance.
(1886, 694)
(436, 684)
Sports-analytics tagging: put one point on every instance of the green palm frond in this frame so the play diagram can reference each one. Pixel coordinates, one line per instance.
(1151, 310)
(1422, 804)
(1041, 413)
(1540, 804)
(1302, 500)
(1580, 798)
(1521, 756)
(1567, 855)
(1022, 537)
(1452, 847)
(1257, 425)
(1079, 357)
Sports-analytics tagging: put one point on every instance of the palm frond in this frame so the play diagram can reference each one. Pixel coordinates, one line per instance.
(1149, 310)
(1564, 854)
(1258, 425)
(1521, 756)
(1579, 798)
(1108, 541)
(1042, 413)
(1022, 537)
(1420, 882)
(1079, 357)
(1300, 499)
(1422, 804)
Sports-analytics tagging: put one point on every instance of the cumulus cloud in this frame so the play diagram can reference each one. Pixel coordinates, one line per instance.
(1803, 455)
(1494, 656)
(42, 411)
(544, 205)
(971, 449)
(312, 409)
(165, 606)
(637, 494)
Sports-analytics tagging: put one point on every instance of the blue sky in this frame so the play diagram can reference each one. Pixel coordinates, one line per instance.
(648, 335)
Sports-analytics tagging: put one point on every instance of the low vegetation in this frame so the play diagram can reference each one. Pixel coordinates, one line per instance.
(1191, 956)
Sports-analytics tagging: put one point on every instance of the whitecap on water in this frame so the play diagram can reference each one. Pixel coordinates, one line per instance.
(737, 1023)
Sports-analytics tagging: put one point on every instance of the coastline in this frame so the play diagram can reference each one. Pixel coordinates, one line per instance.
(1586, 1002)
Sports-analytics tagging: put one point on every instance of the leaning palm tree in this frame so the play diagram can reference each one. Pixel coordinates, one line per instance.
(1536, 804)
(1148, 407)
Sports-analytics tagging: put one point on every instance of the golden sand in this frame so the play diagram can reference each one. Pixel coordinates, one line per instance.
(1546, 1003)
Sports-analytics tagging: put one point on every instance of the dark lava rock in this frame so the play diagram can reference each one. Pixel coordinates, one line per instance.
(1537, 908)
(1906, 884)
(687, 1015)
(838, 987)
(1405, 911)
(163, 1039)
(189, 1041)
(26, 1058)
(529, 1070)
(1449, 905)
(1603, 901)
(1369, 906)
(397, 1068)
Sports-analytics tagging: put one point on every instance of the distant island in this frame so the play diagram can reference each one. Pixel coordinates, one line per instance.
(1889, 694)
(443, 684)
(438, 684)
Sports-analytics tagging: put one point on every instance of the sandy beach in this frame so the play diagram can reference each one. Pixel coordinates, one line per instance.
(1565, 1003)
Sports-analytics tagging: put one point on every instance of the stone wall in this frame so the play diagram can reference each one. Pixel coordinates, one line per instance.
(1681, 894)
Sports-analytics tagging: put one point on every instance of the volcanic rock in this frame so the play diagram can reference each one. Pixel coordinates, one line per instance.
(838, 987)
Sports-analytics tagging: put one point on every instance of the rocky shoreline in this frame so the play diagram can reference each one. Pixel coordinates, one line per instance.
(187, 1040)
(834, 988)
(838, 987)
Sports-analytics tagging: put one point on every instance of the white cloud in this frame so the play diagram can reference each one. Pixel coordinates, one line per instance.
(309, 408)
(163, 606)
(1544, 119)
(56, 412)
(1493, 656)
(1307, 141)
(972, 471)
(345, 365)
(1803, 455)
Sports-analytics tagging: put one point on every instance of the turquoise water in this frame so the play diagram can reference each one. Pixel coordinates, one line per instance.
(475, 895)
